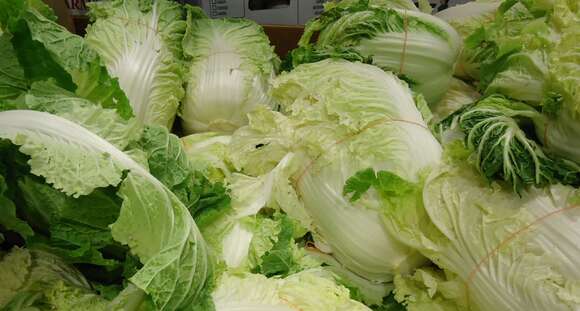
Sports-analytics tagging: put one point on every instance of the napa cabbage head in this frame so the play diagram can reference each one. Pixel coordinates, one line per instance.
(76, 149)
(418, 47)
(526, 259)
(140, 43)
(516, 53)
(484, 240)
(340, 117)
(231, 64)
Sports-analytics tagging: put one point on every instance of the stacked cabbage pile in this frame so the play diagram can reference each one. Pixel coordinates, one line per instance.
(395, 160)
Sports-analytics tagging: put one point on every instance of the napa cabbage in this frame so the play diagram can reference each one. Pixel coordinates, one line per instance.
(519, 250)
(140, 43)
(419, 47)
(484, 241)
(527, 59)
(231, 64)
(95, 195)
(339, 117)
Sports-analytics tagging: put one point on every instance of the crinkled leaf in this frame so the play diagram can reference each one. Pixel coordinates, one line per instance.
(12, 80)
(279, 260)
(176, 265)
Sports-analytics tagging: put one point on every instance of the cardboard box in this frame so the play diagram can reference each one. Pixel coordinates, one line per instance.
(221, 8)
(273, 12)
(457, 2)
(308, 9)
(284, 37)
(77, 7)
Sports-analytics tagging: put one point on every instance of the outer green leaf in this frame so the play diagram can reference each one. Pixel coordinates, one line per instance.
(8, 218)
(84, 66)
(78, 227)
(47, 50)
(176, 265)
(279, 259)
(12, 81)
(66, 160)
(104, 122)
(359, 183)
(169, 164)
(153, 222)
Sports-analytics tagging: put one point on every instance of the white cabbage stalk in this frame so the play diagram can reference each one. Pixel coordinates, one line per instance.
(231, 66)
(355, 233)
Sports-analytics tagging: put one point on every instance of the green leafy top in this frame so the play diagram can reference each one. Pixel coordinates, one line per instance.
(46, 50)
(308, 54)
(495, 131)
